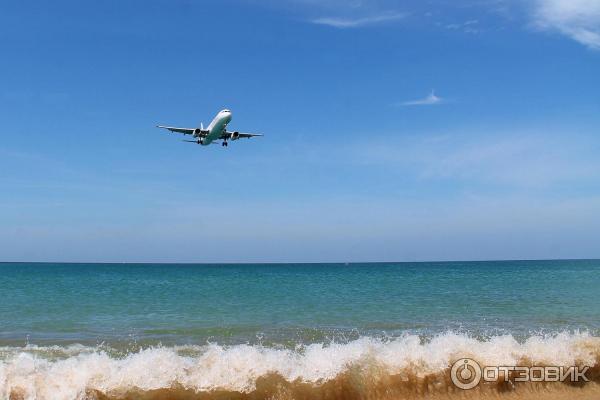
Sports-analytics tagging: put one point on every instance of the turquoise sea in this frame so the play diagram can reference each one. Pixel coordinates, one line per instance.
(118, 328)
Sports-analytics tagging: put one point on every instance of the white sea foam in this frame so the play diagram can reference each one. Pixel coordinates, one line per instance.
(32, 373)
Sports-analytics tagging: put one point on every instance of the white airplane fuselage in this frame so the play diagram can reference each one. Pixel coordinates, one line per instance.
(217, 127)
(216, 130)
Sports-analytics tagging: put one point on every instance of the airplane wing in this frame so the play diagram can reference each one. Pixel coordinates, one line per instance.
(249, 135)
(185, 131)
(239, 135)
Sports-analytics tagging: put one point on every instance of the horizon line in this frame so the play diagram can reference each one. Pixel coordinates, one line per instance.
(300, 262)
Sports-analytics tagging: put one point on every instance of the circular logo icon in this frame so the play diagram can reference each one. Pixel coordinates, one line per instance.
(465, 373)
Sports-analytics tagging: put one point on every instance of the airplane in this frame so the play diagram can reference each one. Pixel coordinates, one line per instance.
(217, 130)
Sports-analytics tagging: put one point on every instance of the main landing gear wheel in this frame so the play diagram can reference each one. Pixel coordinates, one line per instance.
(225, 144)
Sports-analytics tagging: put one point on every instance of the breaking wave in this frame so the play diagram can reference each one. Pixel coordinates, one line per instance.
(368, 368)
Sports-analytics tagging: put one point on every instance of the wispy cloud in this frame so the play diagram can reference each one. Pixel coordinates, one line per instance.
(578, 19)
(470, 26)
(341, 22)
(430, 100)
(507, 161)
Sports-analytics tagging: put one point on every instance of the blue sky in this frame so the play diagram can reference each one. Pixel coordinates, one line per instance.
(394, 130)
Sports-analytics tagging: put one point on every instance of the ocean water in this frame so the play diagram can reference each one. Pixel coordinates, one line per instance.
(72, 331)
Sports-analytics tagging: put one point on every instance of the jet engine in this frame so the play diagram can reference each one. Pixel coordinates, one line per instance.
(197, 132)
(235, 136)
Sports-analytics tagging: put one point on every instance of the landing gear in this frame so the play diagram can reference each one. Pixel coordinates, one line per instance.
(225, 144)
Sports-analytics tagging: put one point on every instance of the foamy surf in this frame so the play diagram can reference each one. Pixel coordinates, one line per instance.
(404, 367)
